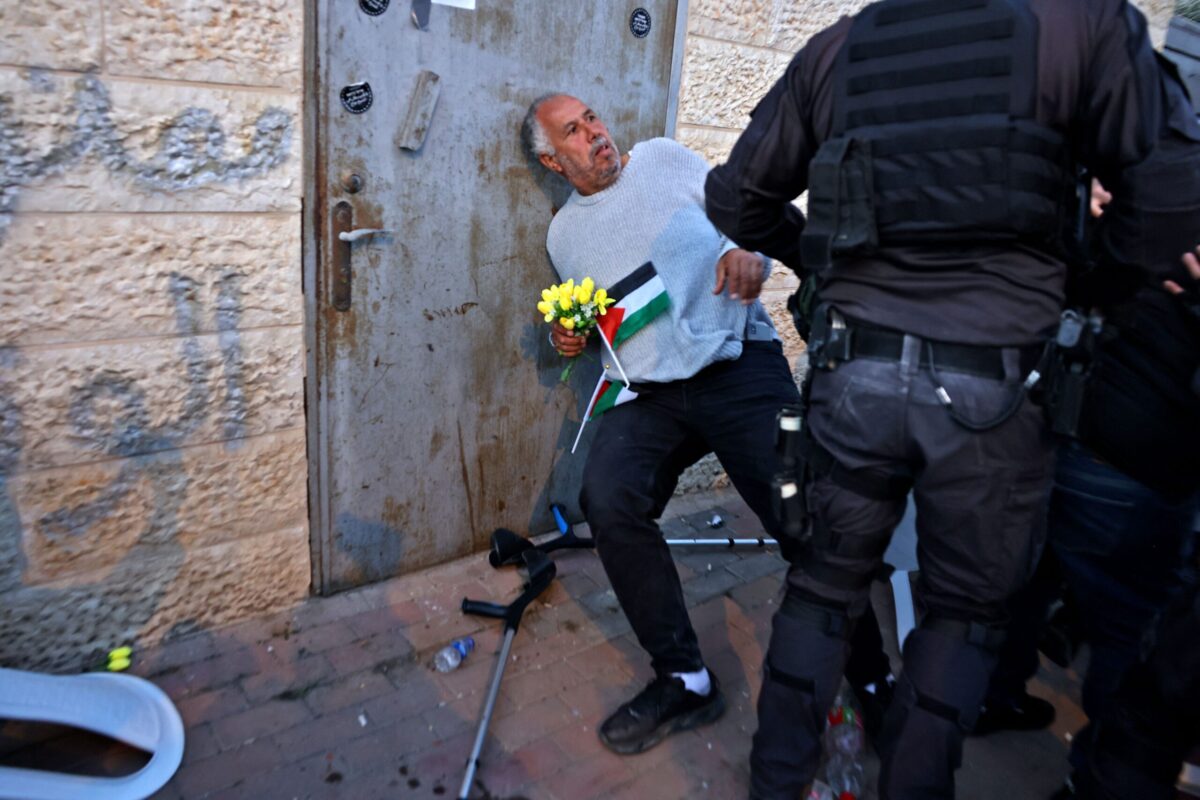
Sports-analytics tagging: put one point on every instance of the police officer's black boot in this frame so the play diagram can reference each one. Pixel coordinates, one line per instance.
(801, 675)
(936, 703)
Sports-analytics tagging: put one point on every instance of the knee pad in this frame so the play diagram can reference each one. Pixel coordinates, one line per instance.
(947, 664)
(801, 675)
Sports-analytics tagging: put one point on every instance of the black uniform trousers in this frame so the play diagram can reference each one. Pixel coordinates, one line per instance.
(981, 504)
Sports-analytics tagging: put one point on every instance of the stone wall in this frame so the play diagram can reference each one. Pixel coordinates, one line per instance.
(152, 454)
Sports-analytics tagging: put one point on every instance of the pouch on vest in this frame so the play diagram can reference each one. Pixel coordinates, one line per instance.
(841, 212)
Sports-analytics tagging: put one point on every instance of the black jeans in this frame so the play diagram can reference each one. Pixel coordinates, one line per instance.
(641, 448)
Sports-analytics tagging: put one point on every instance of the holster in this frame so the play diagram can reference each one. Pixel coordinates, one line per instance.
(1068, 371)
(830, 340)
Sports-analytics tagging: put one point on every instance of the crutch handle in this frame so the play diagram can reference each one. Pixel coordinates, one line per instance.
(483, 608)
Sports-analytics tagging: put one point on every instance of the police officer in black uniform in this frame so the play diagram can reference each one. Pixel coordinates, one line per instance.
(939, 141)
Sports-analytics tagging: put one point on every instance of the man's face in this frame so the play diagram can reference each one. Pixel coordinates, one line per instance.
(584, 152)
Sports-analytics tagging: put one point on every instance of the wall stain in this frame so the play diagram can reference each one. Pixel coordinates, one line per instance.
(450, 311)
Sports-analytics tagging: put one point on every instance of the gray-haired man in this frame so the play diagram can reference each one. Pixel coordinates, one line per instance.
(709, 374)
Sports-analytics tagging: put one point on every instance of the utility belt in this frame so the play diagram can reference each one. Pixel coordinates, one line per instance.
(832, 344)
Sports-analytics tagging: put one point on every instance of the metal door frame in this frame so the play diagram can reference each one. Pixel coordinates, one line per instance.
(313, 216)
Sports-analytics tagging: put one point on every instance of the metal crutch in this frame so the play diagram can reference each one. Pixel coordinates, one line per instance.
(541, 572)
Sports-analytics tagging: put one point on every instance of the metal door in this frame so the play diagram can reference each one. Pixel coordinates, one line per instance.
(435, 408)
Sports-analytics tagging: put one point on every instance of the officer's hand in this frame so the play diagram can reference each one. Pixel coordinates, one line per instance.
(742, 273)
(567, 343)
(1100, 198)
(1191, 294)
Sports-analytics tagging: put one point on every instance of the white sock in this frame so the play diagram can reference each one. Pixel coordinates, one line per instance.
(695, 682)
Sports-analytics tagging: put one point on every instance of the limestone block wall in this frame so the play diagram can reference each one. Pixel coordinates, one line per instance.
(152, 454)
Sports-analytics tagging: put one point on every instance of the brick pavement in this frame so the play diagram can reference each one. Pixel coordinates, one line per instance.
(336, 698)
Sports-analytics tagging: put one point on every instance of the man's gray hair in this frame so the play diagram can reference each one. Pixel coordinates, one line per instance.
(533, 135)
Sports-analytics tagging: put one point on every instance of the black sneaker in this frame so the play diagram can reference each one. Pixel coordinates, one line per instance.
(1026, 713)
(662, 708)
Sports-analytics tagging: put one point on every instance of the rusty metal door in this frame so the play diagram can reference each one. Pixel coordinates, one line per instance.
(435, 408)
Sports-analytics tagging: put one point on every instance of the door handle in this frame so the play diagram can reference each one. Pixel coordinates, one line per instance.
(341, 223)
(360, 233)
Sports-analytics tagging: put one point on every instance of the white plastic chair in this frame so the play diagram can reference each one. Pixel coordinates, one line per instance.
(122, 707)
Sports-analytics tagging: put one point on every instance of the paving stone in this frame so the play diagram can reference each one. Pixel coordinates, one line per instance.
(263, 720)
(314, 703)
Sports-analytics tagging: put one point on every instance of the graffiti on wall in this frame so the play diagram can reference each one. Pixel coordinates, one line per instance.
(191, 147)
(109, 412)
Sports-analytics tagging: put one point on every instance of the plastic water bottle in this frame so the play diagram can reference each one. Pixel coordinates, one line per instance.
(450, 656)
(844, 748)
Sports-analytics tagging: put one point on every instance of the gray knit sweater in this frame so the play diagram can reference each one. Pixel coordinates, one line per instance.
(655, 212)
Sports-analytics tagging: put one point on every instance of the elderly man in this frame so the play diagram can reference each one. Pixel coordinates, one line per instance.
(709, 375)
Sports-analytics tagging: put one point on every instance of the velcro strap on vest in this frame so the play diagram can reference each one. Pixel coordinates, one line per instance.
(918, 110)
(927, 40)
(907, 12)
(892, 80)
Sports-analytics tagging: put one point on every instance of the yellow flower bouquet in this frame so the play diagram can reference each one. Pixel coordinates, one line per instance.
(577, 307)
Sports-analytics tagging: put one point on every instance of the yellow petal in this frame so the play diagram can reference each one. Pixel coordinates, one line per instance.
(545, 307)
(588, 284)
(549, 316)
(565, 303)
(548, 295)
(568, 323)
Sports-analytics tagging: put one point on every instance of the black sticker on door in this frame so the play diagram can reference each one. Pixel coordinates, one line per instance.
(357, 97)
(373, 7)
(639, 23)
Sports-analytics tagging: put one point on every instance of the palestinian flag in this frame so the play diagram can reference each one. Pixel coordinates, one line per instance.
(640, 297)
(606, 396)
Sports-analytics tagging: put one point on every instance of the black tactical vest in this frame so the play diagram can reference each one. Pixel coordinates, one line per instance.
(934, 136)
